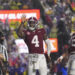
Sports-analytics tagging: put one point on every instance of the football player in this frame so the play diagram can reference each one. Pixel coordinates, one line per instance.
(34, 39)
(71, 54)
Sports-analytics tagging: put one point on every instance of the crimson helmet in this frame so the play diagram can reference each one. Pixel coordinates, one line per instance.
(32, 23)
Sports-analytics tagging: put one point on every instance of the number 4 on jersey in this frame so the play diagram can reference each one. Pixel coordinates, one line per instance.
(35, 41)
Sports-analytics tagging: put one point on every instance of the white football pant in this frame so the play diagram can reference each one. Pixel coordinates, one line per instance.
(40, 65)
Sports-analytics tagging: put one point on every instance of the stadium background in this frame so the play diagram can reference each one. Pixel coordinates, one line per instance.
(56, 16)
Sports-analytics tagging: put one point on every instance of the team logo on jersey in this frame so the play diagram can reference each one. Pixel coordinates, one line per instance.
(28, 33)
(39, 31)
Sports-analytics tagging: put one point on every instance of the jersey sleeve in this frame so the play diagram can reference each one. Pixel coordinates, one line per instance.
(43, 31)
(24, 30)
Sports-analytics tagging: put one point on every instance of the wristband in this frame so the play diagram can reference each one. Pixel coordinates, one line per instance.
(61, 57)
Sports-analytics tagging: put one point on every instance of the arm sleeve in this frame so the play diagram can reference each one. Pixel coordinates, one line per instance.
(47, 41)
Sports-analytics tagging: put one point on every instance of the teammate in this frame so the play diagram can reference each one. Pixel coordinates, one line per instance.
(71, 54)
(34, 39)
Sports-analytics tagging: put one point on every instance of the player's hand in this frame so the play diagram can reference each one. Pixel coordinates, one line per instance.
(49, 58)
(59, 60)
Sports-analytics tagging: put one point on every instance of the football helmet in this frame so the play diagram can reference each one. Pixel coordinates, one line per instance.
(32, 23)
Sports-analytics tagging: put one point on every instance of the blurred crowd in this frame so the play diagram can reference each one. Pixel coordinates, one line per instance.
(57, 17)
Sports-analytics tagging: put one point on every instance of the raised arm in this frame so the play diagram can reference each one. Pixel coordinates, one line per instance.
(20, 31)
